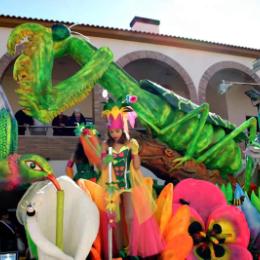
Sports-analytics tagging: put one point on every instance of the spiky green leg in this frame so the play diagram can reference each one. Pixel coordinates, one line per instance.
(251, 124)
(203, 111)
(8, 134)
(80, 85)
(248, 172)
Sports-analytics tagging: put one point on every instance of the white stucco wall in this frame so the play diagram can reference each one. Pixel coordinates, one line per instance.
(237, 110)
(195, 62)
(4, 33)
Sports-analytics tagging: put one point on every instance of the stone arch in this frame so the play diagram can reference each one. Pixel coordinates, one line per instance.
(209, 73)
(5, 61)
(137, 55)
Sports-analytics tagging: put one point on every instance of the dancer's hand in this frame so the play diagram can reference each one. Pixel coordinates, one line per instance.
(108, 159)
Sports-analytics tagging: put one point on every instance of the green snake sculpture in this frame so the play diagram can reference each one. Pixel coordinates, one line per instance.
(15, 168)
(176, 121)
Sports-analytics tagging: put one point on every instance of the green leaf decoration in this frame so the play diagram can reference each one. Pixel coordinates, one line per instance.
(229, 193)
(223, 189)
(79, 129)
(255, 201)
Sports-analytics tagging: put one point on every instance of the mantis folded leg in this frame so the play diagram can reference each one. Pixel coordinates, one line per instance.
(201, 113)
(251, 124)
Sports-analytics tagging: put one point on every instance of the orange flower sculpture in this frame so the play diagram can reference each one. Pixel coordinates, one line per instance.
(219, 231)
(173, 227)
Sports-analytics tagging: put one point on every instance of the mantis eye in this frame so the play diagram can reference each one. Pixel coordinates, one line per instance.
(33, 165)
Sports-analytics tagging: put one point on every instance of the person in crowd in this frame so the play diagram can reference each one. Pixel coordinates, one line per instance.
(23, 121)
(59, 124)
(8, 239)
(76, 118)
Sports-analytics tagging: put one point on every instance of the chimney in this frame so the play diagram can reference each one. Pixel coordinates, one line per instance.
(145, 24)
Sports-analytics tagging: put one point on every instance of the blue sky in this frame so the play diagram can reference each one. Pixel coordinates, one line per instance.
(234, 22)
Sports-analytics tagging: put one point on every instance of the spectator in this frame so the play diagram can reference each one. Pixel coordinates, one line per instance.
(75, 118)
(21, 247)
(8, 240)
(59, 124)
(23, 120)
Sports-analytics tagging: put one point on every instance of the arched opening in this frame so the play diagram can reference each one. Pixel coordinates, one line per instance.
(63, 68)
(234, 105)
(161, 69)
(158, 72)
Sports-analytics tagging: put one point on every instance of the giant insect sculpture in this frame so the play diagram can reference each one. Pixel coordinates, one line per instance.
(184, 126)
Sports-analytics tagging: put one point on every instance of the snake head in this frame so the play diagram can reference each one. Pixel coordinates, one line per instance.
(33, 167)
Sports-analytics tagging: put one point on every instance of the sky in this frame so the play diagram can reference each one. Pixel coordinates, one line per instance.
(235, 22)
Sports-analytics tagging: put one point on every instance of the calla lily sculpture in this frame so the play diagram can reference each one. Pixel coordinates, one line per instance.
(37, 212)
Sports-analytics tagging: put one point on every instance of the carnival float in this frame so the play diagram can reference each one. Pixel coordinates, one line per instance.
(205, 211)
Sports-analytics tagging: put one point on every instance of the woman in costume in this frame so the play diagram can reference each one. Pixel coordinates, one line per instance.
(84, 169)
(136, 231)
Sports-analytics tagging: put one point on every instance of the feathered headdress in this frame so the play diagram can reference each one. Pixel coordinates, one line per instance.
(119, 113)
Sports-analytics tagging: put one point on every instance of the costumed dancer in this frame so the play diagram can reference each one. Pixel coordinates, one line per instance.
(87, 154)
(84, 169)
(136, 230)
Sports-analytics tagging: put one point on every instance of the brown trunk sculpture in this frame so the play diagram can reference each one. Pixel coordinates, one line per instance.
(159, 158)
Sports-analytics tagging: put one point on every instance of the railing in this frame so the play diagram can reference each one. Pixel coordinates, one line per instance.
(46, 130)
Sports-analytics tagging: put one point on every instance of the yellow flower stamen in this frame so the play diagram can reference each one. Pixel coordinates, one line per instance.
(214, 240)
(203, 234)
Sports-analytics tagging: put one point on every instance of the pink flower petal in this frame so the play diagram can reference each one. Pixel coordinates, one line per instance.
(237, 219)
(191, 256)
(239, 253)
(131, 116)
(201, 195)
(133, 99)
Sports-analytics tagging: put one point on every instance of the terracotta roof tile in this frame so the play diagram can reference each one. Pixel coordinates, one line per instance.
(129, 30)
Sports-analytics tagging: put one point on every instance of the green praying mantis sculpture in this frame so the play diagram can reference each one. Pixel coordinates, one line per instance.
(174, 120)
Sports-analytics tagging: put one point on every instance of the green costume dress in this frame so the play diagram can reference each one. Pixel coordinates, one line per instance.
(121, 161)
(85, 171)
